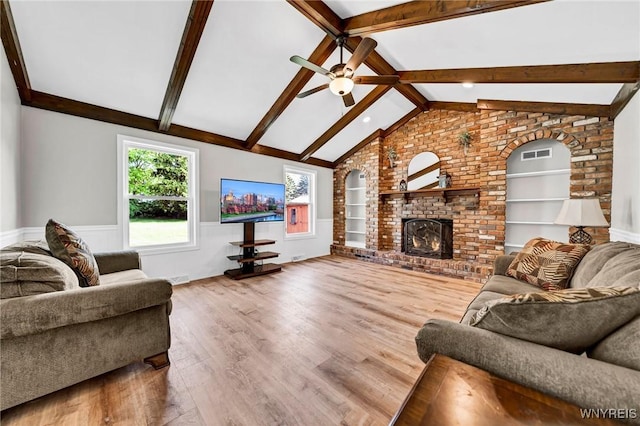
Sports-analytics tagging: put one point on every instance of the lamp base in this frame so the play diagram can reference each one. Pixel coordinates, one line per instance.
(580, 236)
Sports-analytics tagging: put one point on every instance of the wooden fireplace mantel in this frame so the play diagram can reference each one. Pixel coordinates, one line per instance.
(436, 192)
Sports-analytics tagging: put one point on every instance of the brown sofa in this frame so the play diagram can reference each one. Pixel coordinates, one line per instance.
(604, 376)
(54, 334)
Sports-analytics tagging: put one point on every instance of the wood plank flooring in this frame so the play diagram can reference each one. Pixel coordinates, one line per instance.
(328, 341)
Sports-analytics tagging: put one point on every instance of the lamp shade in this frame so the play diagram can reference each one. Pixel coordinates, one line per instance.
(581, 212)
(341, 86)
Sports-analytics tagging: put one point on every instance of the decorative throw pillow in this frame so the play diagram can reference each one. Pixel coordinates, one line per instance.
(67, 246)
(572, 319)
(547, 264)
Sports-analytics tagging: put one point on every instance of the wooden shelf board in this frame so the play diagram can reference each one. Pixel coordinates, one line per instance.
(238, 274)
(461, 190)
(257, 256)
(254, 244)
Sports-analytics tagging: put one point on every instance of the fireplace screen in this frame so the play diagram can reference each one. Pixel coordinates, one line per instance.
(428, 237)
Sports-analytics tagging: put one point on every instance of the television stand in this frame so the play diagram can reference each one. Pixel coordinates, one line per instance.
(249, 256)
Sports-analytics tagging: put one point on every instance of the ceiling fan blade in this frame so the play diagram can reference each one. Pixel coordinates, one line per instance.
(363, 50)
(348, 100)
(376, 79)
(312, 91)
(311, 66)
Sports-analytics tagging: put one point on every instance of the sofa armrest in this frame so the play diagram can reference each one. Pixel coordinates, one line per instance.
(20, 316)
(500, 265)
(583, 381)
(117, 261)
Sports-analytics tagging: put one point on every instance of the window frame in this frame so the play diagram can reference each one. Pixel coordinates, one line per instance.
(312, 203)
(193, 197)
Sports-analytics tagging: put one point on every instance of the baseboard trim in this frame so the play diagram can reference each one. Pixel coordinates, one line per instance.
(11, 237)
(626, 236)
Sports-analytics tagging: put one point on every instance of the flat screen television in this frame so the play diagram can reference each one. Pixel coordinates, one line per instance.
(244, 201)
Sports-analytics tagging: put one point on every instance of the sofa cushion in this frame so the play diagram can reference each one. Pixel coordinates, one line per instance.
(508, 285)
(67, 246)
(616, 268)
(24, 273)
(547, 264)
(622, 347)
(593, 261)
(121, 276)
(572, 319)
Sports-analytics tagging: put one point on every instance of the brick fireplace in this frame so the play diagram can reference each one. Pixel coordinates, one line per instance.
(478, 222)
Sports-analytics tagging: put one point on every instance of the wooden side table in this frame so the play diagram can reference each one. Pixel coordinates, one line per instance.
(450, 392)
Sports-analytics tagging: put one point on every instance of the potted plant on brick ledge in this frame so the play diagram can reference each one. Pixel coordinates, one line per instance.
(465, 141)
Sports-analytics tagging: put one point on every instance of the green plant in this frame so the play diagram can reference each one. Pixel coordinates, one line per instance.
(465, 139)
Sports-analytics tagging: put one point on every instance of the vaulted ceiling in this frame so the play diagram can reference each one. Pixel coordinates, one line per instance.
(219, 72)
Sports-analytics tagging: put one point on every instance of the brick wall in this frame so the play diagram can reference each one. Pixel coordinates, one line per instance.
(479, 223)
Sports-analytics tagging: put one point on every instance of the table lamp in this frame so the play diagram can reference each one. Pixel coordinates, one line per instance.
(581, 212)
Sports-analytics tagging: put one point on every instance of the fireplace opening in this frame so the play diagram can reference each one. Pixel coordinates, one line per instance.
(428, 237)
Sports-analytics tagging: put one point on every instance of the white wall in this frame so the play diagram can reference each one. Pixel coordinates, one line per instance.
(69, 173)
(9, 150)
(625, 197)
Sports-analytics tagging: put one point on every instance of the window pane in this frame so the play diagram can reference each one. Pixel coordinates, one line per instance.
(297, 199)
(157, 173)
(153, 222)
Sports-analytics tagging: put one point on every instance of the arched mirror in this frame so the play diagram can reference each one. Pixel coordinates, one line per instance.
(424, 170)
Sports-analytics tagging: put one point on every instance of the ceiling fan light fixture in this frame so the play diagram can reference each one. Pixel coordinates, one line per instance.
(467, 85)
(341, 86)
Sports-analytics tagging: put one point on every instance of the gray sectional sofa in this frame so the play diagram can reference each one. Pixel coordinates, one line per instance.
(606, 375)
(54, 333)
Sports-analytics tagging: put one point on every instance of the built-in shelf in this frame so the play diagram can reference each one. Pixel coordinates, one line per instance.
(360, 188)
(355, 232)
(534, 200)
(356, 218)
(436, 192)
(539, 173)
(357, 244)
(519, 222)
(355, 204)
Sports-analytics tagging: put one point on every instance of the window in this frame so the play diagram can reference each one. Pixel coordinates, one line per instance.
(300, 201)
(158, 187)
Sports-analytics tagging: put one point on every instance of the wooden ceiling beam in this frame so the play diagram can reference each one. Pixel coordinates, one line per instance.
(381, 67)
(603, 72)
(454, 106)
(424, 171)
(14, 52)
(196, 22)
(351, 115)
(423, 12)
(593, 110)
(319, 56)
(364, 142)
(321, 15)
(622, 98)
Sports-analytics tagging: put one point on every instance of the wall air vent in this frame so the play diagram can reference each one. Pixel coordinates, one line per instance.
(536, 155)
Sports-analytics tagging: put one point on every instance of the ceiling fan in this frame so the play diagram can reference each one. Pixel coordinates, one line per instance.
(341, 75)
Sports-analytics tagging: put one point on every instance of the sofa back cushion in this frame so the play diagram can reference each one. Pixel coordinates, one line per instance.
(595, 260)
(572, 319)
(616, 270)
(621, 347)
(24, 273)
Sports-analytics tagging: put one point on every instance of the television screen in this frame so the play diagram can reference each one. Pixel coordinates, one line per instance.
(248, 201)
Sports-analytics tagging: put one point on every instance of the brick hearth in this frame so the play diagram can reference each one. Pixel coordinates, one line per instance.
(478, 223)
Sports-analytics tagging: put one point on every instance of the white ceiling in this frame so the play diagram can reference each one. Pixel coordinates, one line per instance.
(120, 55)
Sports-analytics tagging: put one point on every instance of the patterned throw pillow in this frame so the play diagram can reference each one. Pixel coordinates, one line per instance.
(67, 246)
(572, 319)
(547, 264)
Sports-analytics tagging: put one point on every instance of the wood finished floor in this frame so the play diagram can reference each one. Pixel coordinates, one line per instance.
(328, 341)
